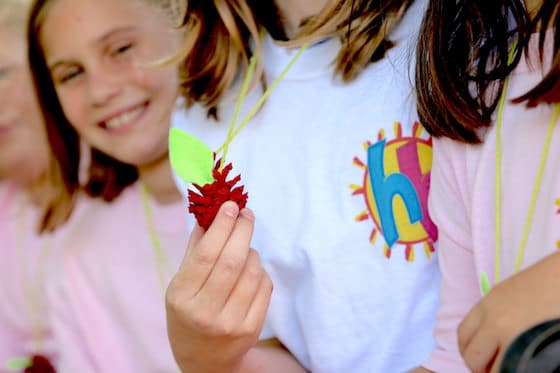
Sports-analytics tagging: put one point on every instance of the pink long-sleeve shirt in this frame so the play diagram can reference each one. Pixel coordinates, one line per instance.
(463, 200)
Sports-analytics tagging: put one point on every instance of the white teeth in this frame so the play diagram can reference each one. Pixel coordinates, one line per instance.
(123, 118)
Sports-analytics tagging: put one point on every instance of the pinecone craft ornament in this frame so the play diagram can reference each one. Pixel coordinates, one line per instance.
(40, 364)
(206, 203)
(34, 364)
(195, 163)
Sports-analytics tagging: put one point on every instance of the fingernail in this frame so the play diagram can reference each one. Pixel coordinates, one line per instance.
(248, 214)
(230, 209)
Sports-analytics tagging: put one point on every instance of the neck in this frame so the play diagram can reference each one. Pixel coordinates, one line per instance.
(294, 12)
(158, 179)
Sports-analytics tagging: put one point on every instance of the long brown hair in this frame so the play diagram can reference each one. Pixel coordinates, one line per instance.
(220, 32)
(466, 51)
(364, 26)
(106, 177)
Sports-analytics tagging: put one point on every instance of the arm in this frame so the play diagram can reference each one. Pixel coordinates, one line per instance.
(511, 307)
(271, 357)
(459, 281)
(217, 302)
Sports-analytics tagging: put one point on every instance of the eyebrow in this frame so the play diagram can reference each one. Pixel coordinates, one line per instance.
(100, 40)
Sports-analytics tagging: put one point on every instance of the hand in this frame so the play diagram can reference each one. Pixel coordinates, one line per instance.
(217, 302)
(513, 306)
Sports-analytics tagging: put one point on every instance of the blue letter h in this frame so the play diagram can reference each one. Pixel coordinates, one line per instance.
(385, 188)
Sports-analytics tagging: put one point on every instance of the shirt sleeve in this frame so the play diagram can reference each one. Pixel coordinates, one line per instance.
(450, 210)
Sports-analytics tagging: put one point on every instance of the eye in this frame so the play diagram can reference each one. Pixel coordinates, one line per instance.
(122, 49)
(69, 75)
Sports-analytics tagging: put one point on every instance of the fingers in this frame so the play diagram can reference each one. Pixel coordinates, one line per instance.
(246, 289)
(468, 327)
(257, 313)
(231, 264)
(480, 349)
(497, 361)
(205, 248)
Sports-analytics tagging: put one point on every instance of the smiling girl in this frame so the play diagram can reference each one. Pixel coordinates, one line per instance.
(107, 105)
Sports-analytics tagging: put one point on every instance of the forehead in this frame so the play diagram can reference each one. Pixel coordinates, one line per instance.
(83, 22)
(13, 48)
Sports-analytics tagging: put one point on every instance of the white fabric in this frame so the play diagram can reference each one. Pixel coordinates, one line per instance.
(339, 305)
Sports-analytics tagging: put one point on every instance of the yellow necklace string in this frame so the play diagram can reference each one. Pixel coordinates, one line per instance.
(163, 266)
(233, 131)
(534, 194)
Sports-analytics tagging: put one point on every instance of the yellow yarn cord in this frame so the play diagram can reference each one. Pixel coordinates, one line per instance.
(535, 192)
(233, 131)
(163, 266)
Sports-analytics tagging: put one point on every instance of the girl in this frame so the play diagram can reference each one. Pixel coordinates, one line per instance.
(337, 169)
(24, 166)
(95, 67)
(495, 190)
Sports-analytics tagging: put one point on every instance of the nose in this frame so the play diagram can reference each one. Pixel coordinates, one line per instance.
(103, 86)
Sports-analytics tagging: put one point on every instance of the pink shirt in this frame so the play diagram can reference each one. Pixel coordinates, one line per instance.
(108, 312)
(24, 263)
(463, 200)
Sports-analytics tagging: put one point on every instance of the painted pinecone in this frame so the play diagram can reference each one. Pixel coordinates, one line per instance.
(206, 203)
(40, 364)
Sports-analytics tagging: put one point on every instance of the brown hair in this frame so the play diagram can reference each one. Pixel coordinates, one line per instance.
(465, 53)
(217, 45)
(364, 27)
(107, 177)
(220, 32)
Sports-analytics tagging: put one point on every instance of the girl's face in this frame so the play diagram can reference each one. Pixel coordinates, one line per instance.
(23, 142)
(100, 54)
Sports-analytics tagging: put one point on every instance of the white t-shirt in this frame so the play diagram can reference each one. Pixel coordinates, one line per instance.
(354, 270)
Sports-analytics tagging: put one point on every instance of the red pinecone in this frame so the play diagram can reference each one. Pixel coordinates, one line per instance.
(205, 204)
(40, 364)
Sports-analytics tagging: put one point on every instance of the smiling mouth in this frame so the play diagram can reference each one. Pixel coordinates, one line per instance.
(125, 120)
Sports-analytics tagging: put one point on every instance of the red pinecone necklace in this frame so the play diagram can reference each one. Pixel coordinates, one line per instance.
(207, 170)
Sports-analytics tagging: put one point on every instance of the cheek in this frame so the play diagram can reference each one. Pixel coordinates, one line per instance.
(161, 83)
(72, 102)
(19, 99)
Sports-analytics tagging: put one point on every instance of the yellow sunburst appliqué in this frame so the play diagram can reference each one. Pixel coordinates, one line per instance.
(395, 188)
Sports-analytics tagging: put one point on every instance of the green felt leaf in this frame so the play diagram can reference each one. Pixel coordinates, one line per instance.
(485, 283)
(190, 158)
(18, 364)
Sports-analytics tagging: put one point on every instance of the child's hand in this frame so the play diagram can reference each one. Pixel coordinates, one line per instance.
(510, 308)
(217, 302)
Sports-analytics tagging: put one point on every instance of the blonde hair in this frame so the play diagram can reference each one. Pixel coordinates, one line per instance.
(218, 33)
(363, 26)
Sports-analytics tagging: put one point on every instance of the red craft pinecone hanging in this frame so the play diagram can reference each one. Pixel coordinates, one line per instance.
(205, 204)
(40, 364)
